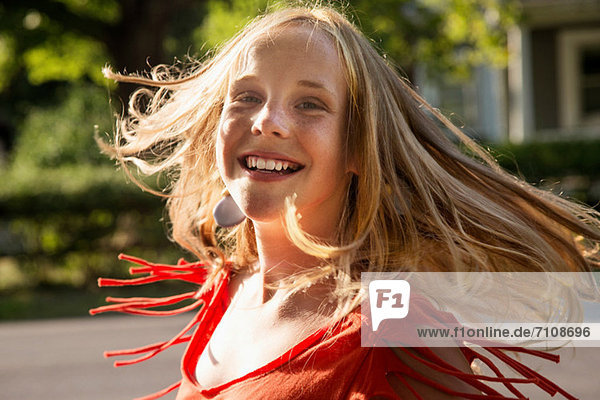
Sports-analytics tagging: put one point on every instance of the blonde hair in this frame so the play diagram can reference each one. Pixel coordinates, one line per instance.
(418, 202)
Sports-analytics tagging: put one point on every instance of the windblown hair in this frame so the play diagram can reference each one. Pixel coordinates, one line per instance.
(418, 203)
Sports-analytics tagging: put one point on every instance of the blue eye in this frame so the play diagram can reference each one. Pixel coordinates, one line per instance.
(308, 105)
(250, 99)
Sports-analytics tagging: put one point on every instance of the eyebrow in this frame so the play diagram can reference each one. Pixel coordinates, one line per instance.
(243, 78)
(312, 84)
(303, 82)
(316, 85)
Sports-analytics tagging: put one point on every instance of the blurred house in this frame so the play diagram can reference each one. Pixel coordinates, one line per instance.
(551, 88)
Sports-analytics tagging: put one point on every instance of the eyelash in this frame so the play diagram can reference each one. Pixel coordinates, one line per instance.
(250, 99)
(313, 106)
(305, 105)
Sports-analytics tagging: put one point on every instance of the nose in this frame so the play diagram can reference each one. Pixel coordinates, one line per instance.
(271, 120)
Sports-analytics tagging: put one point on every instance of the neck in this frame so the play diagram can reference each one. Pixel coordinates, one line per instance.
(278, 259)
(278, 256)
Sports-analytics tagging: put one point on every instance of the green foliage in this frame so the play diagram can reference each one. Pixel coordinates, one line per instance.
(66, 57)
(64, 211)
(103, 10)
(448, 37)
(539, 160)
(571, 168)
(41, 41)
(73, 249)
(64, 133)
(31, 191)
(7, 65)
(224, 19)
(63, 227)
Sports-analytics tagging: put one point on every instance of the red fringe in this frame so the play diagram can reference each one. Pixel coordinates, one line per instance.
(195, 273)
(160, 393)
(187, 272)
(144, 349)
(430, 359)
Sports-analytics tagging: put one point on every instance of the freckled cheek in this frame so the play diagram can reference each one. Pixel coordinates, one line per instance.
(220, 155)
(329, 141)
(229, 142)
(228, 127)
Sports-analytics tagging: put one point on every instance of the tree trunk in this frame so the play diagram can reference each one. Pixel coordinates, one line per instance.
(136, 43)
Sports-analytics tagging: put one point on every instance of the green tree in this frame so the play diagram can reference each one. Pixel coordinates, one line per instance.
(63, 209)
(447, 37)
(62, 134)
(224, 19)
(45, 45)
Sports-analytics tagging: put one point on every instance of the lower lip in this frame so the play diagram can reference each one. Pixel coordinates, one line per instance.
(266, 176)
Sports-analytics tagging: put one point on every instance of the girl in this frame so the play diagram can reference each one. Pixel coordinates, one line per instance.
(320, 163)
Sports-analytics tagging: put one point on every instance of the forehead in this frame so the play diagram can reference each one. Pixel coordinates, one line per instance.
(304, 39)
(295, 48)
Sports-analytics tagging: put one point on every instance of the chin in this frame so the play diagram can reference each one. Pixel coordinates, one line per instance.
(263, 210)
(261, 215)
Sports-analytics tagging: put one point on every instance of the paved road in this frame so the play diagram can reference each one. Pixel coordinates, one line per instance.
(62, 359)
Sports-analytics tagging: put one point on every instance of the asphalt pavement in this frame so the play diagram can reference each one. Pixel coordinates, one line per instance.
(62, 359)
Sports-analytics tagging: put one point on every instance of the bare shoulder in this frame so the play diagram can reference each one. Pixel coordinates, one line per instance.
(451, 355)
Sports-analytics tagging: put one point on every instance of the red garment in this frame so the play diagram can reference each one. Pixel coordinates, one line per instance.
(326, 365)
(306, 371)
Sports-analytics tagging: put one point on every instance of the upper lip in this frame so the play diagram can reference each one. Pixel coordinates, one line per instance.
(270, 155)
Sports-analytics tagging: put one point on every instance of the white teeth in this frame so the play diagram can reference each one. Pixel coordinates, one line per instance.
(269, 164)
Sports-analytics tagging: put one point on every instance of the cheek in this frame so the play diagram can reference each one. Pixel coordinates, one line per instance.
(219, 155)
(331, 148)
(224, 150)
(232, 130)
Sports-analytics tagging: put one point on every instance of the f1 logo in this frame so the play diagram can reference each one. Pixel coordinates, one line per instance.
(389, 299)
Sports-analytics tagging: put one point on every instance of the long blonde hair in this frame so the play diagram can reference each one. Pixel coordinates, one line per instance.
(418, 202)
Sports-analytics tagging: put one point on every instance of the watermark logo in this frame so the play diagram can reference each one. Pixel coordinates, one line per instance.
(479, 308)
(389, 299)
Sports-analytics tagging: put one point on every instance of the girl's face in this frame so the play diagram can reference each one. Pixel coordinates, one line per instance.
(282, 130)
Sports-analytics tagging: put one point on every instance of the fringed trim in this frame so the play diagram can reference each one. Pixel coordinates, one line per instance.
(205, 300)
(184, 271)
(160, 393)
(423, 313)
(430, 359)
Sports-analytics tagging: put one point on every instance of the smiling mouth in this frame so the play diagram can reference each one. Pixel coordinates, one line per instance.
(270, 165)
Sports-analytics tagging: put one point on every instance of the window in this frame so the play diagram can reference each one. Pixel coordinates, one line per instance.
(590, 83)
(579, 79)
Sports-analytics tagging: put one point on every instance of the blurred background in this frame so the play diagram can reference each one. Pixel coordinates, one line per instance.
(520, 76)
